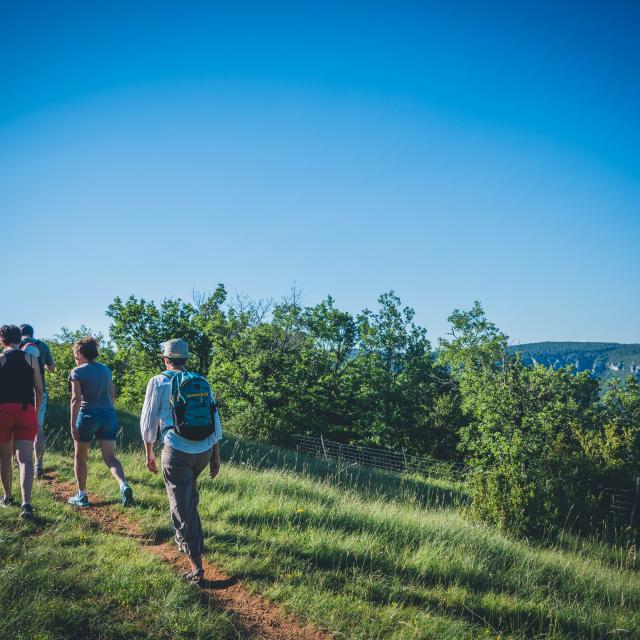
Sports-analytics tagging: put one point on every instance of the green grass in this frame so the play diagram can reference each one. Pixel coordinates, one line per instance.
(59, 578)
(372, 555)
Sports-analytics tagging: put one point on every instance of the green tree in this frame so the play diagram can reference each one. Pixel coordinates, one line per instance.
(526, 431)
(264, 369)
(614, 448)
(524, 443)
(335, 336)
(137, 330)
(399, 381)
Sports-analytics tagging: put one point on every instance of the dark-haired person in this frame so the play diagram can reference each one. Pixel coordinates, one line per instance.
(41, 351)
(183, 459)
(93, 415)
(20, 395)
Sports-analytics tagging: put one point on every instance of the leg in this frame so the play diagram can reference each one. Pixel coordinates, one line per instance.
(38, 445)
(24, 453)
(178, 473)
(6, 469)
(201, 460)
(39, 442)
(108, 449)
(80, 463)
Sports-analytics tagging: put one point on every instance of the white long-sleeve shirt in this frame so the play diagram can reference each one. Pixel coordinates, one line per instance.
(156, 414)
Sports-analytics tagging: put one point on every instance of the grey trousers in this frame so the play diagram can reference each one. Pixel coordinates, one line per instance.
(180, 471)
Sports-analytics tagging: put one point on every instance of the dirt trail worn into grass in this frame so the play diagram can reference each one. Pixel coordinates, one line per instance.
(257, 616)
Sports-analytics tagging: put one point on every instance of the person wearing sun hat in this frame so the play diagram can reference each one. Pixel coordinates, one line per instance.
(180, 406)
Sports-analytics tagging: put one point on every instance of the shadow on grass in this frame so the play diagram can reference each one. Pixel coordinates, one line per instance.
(335, 571)
(368, 482)
(477, 579)
(219, 585)
(158, 535)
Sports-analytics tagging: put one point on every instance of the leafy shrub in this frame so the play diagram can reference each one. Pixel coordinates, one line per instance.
(531, 472)
(542, 443)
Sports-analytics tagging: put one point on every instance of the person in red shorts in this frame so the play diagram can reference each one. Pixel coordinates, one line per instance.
(20, 395)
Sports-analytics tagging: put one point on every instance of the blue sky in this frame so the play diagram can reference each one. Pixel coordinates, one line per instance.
(449, 151)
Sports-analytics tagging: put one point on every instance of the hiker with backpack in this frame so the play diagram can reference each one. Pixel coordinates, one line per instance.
(41, 351)
(93, 415)
(20, 398)
(180, 405)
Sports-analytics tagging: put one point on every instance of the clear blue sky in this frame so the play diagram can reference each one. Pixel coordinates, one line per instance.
(452, 152)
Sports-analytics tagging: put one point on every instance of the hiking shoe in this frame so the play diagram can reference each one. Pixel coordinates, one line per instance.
(26, 511)
(79, 500)
(6, 501)
(127, 495)
(196, 576)
(39, 472)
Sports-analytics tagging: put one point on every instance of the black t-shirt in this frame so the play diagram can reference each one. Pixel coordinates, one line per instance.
(16, 378)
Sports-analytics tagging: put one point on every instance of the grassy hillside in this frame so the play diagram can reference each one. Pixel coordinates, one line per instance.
(603, 359)
(372, 555)
(59, 578)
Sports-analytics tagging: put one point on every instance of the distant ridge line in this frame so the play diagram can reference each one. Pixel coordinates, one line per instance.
(602, 359)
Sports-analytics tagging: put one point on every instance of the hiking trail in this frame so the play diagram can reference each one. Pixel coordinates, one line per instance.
(254, 614)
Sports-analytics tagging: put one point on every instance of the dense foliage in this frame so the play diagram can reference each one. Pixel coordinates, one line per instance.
(282, 369)
(540, 441)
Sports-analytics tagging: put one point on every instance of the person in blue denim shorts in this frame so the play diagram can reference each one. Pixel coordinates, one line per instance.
(93, 416)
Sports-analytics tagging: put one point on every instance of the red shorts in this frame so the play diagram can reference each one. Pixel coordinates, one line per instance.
(16, 422)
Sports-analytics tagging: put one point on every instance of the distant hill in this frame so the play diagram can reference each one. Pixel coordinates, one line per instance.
(603, 359)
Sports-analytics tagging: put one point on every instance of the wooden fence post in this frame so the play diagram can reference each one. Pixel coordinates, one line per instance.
(326, 457)
(635, 509)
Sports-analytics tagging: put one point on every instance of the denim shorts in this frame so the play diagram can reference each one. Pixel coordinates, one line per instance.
(99, 423)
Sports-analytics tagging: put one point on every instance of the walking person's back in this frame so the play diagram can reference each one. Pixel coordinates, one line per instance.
(93, 416)
(41, 351)
(95, 381)
(181, 406)
(20, 397)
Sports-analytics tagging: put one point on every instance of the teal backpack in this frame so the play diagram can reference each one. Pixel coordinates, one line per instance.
(193, 410)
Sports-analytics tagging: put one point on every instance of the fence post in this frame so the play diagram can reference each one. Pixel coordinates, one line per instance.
(324, 450)
(635, 519)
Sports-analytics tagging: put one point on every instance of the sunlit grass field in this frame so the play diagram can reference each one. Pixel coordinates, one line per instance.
(373, 555)
(59, 578)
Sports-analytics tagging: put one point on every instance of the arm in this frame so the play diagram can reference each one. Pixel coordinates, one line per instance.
(112, 393)
(149, 420)
(37, 381)
(214, 463)
(48, 360)
(150, 457)
(76, 398)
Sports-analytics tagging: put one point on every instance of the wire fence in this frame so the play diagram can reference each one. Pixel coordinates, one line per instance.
(378, 458)
(622, 504)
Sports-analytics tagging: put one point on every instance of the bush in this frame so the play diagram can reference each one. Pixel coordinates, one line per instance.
(531, 473)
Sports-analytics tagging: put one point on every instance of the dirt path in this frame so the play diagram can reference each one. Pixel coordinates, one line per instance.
(257, 616)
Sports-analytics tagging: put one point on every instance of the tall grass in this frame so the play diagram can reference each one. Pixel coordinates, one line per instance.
(59, 578)
(373, 555)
